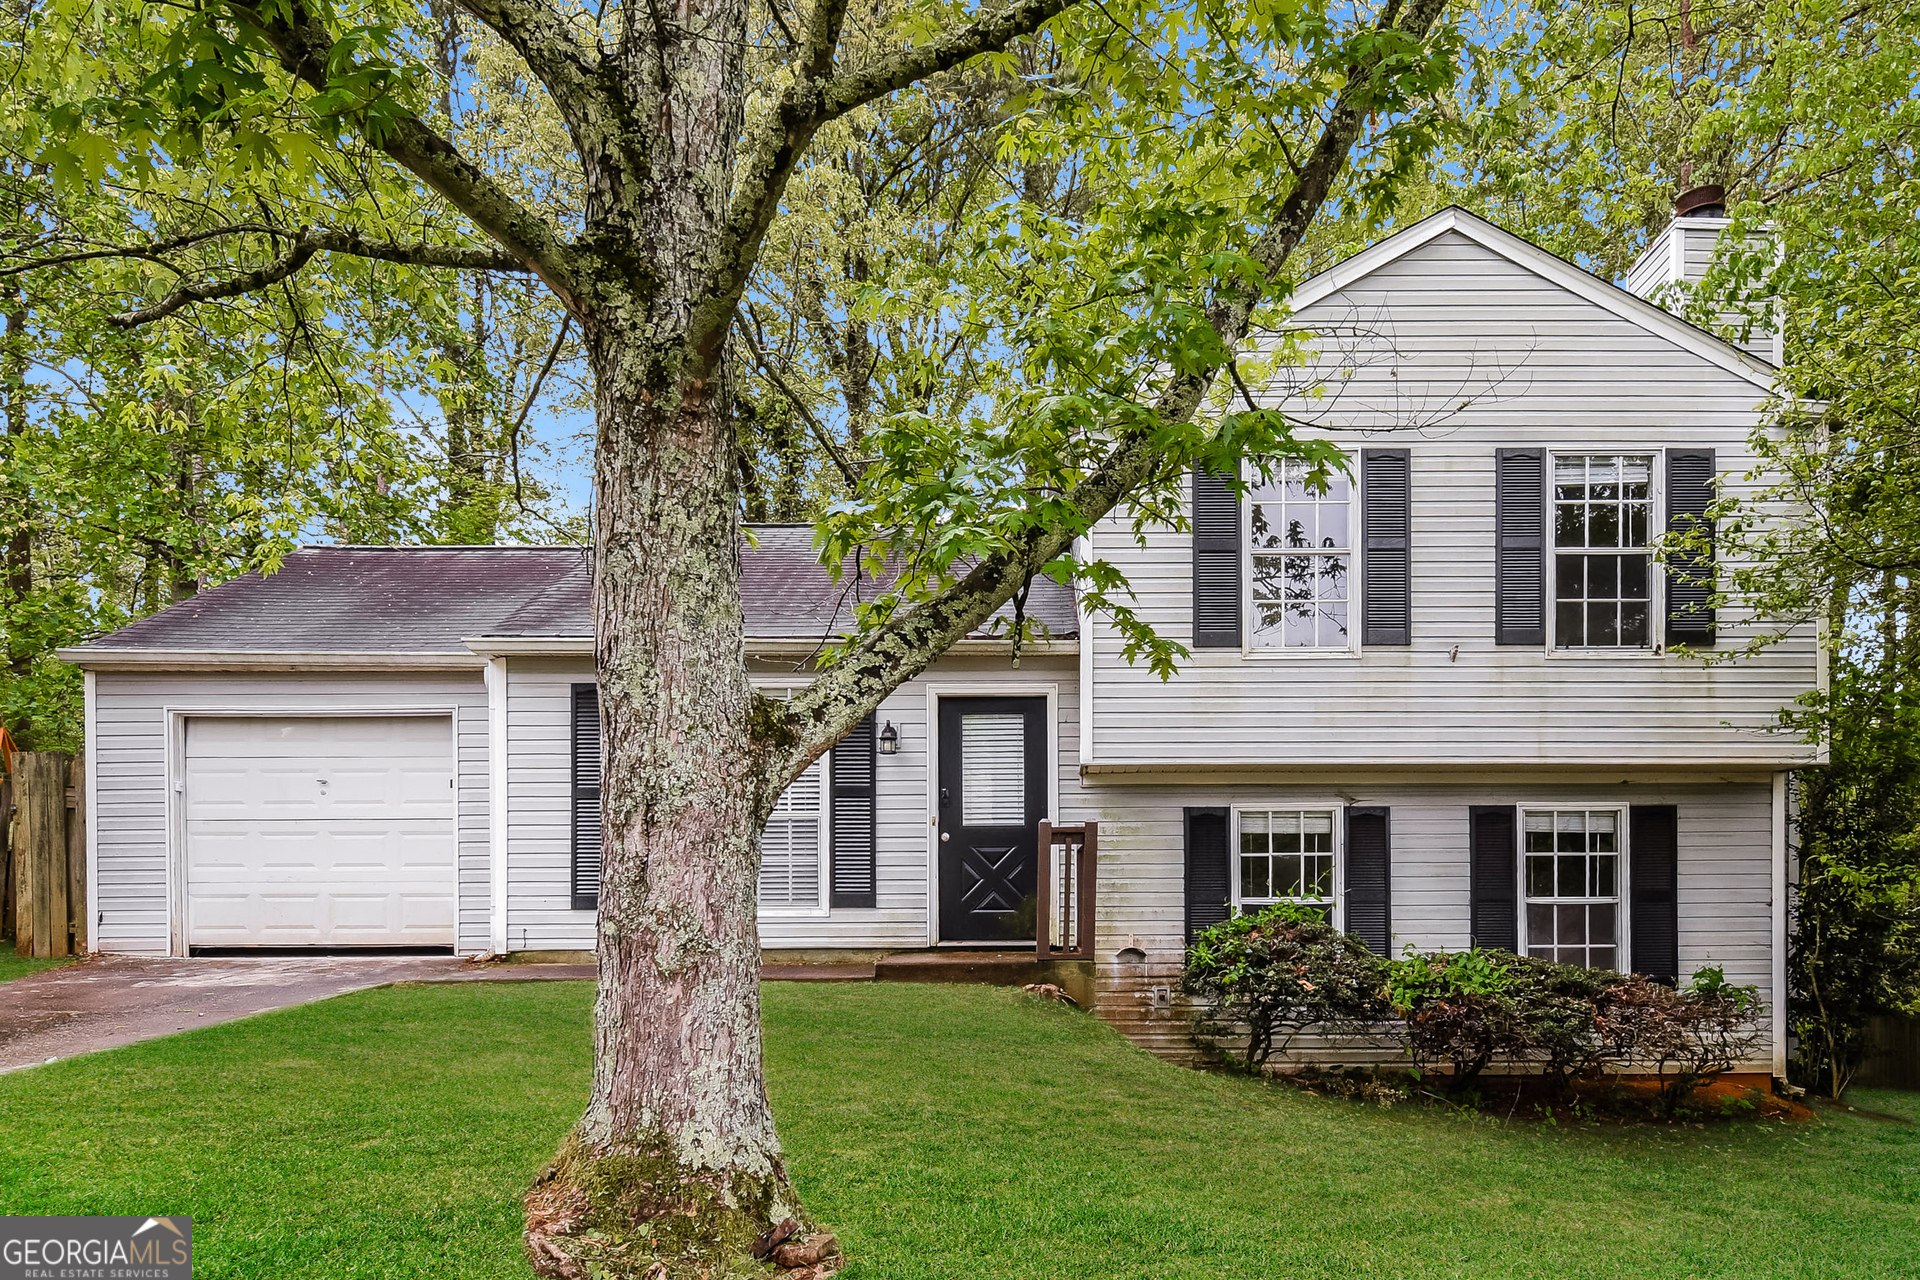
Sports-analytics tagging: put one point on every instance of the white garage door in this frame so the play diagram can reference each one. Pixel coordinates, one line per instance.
(324, 832)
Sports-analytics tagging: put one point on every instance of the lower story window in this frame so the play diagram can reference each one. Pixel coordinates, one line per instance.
(793, 845)
(1286, 855)
(1573, 886)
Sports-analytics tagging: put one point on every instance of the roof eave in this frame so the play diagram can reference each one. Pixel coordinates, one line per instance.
(107, 658)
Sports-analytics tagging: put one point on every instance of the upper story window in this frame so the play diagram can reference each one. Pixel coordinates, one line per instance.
(1286, 855)
(793, 847)
(1573, 886)
(1301, 544)
(1602, 511)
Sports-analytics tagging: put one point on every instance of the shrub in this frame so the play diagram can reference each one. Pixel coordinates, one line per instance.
(1469, 1009)
(1690, 1036)
(1283, 971)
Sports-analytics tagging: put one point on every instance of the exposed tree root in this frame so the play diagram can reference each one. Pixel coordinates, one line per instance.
(638, 1215)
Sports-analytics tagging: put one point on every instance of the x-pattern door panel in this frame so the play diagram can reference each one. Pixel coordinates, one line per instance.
(993, 794)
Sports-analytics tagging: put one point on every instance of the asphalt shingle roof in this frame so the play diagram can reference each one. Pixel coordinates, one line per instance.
(430, 599)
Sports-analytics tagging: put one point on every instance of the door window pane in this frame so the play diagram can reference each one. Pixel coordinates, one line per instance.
(993, 770)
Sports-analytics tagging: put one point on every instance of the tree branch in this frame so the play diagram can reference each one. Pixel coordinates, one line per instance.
(820, 432)
(305, 48)
(913, 639)
(775, 146)
(551, 48)
(306, 243)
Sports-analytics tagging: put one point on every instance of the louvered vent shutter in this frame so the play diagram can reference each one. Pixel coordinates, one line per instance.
(586, 797)
(1653, 881)
(1690, 477)
(1520, 548)
(851, 818)
(1495, 911)
(1208, 863)
(1216, 562)
(1370, 877)
(1386, 565)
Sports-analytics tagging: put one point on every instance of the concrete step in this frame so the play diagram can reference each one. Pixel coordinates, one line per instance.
(992, 968)
(816, 973)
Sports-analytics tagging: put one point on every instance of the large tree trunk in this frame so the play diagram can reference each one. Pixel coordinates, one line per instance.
(675, 1168)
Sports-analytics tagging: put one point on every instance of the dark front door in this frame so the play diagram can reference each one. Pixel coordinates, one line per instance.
(993, 794)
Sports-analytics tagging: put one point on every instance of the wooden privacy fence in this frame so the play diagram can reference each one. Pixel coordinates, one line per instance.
(1894, 1060)
(43, 849)
(1063, 916)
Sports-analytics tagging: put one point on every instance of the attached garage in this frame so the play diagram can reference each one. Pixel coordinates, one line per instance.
(319, 831)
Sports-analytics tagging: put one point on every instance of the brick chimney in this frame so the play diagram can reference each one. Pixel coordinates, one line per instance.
(1676, 259)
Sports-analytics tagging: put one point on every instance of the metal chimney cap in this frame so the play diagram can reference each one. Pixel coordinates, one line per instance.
(1701, 202)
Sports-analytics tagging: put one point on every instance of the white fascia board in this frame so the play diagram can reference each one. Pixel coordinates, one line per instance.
(1584, 284)
(583, 646)
(92, 659)
(530, 646)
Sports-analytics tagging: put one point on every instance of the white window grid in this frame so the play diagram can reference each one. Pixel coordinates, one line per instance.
(1602, 573)
(1301, 567)
(794, 846)
(1287, 853)
(1573, 872)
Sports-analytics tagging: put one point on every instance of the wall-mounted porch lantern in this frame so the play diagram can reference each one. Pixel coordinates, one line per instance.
(889, 740)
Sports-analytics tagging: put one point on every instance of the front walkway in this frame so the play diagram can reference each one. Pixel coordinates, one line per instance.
(109, 1001)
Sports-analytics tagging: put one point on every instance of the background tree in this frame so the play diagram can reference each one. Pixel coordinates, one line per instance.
(1208, 138)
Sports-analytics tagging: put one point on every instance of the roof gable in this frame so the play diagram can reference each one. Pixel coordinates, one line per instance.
(1537, 261)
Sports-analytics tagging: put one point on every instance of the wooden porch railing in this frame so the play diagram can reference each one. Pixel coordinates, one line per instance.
(1069, 858)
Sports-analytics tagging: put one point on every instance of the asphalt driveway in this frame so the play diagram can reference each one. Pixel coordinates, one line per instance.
(108, 1001)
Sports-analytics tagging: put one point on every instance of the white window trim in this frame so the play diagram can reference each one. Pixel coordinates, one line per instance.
(1623, 826)
(1351, 649)
(1339, 810)
(819, 909)
(1656, 573)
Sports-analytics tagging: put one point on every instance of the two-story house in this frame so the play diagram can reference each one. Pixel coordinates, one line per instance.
(1441, 697)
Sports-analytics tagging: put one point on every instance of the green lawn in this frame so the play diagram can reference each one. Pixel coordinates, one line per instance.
(945, 1132)
(13, 966)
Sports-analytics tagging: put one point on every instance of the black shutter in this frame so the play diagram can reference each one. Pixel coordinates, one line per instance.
(1520, 546)
(851, 853)
(1386, 541)
(1690, 476)
(1216, 562)
(1370, 877)
(1653, 880)
(586, 797)
(1495, 911)
(1208, 862)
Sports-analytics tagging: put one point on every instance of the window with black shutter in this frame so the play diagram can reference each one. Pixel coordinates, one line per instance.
(1495, 919)
(1386, 547)
(1520, 546)
(1690, 483)
(1653, 854)
(1208, 859)
(851, 817)
(586, 797)
(1216, 562)
(1369, 874)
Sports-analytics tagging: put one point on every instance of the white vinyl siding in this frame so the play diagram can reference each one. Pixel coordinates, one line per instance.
(134, 908)
(540, 915)
(1724, 833)
(1481, 354)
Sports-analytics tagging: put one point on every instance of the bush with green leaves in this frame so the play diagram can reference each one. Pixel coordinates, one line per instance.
(1286, 970)
(1468, 1009)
